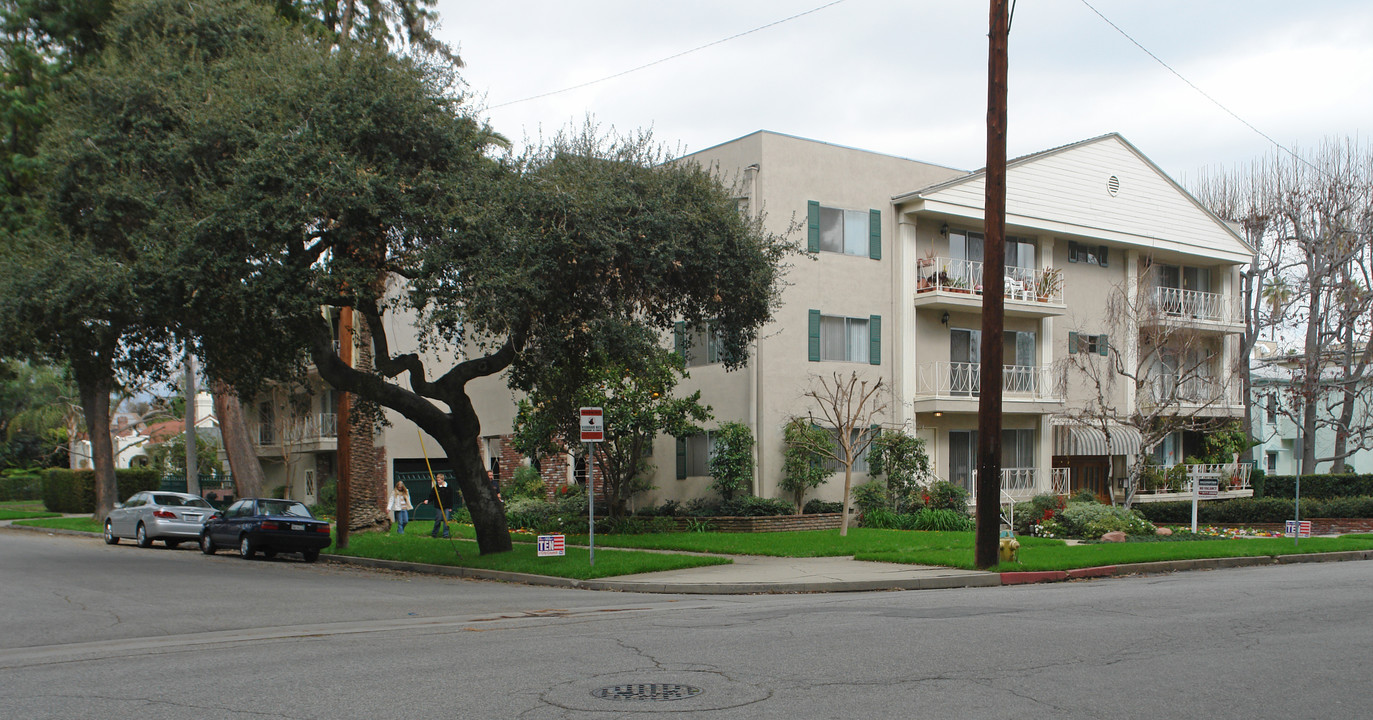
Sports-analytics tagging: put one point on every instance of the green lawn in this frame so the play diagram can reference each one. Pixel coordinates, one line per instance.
(800, 543)
(66, 523)
(7, 514)
(23, 505)
(419, 547)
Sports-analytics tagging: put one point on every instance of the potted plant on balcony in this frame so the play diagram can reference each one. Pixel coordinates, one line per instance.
(1050, 283)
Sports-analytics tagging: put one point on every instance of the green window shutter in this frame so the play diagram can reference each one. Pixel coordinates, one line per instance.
(814, 339)
(875, 234)
(681, 458)
(712, 345)
(1102, 342)
(679, 339)
(1072, 343)
(1101, 254)
(875, 340)
(813, 226)
(1072, 251)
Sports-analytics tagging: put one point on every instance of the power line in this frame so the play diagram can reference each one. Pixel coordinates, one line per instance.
(670, 57)
(1201, 92)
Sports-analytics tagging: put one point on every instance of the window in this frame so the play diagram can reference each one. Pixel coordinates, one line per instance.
(699, 346)
(1088, 254)
(693, 455)
(968, 246)
(1090, 344)
(1272, 407)
(266, 419)
(860, 464)
(1272, 464)
(846, 232)
(962, 458)
(845, 339)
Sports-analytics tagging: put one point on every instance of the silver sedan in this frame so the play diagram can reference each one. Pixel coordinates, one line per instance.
(171, 517)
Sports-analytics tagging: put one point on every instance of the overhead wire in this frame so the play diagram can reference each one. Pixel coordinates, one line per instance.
(666, 59)
(1201, 92)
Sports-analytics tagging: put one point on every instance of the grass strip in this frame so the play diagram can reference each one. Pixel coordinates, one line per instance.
(796, 543)
(84, 524)
(25, 514)
(1067, 557)
(25, 505)
(522, 558)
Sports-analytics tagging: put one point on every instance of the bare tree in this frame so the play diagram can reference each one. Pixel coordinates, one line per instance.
(850, 407)
(1155, 354)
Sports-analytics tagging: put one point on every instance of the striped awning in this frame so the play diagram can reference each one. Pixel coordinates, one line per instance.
(1086, 440)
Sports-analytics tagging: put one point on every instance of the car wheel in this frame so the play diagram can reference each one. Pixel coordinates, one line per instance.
(172, 543)
(141, 537)
(245, 547)
(310, 555)
(110, 537)
(269, 553)
(207, 545)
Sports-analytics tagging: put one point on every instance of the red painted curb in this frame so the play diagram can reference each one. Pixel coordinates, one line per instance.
(1091, 572)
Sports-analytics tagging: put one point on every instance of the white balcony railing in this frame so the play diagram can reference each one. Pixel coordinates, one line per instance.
(965, 276)
(300, 429)
(962, 380)
(1173, 302)
(1165, 389)
(1232, 476)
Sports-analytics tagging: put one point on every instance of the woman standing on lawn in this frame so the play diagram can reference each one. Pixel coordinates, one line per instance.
(400, 505)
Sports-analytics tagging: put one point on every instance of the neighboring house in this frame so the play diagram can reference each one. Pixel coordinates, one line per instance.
(1275, 417)
(132, 437)
(894, 293)
(297, 437)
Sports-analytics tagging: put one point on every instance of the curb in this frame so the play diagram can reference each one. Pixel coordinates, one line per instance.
(50, 531)
(1165, 566)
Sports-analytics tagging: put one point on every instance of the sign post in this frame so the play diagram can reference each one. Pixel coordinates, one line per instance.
(593, 431)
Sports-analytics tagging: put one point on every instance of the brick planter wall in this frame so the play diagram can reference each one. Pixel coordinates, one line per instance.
(1323, 526)
(770, 523)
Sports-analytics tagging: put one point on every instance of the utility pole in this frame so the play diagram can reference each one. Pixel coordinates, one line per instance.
(344, 429)
(993, 296)
(192, 471)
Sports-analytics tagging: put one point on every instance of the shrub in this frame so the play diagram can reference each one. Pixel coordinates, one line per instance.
(947, 496)
(21, 485)
(1083, 495)
(880, 518)
(942, 520)
(731, 465)
(803, 466)
(527, 483)
(462, 515)
(1314, 486)
(631, 525)
(73, 491)
(326, 502)
(870, 496)
(750, 506)
(1092, 520)
(528, 513)
(1036, 510)
(816, 506)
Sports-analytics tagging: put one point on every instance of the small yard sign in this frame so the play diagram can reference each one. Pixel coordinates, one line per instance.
(593, 424)
(552, 545)
(1298, 528)
(1208, 487)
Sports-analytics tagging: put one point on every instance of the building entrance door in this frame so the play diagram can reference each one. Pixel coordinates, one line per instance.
(1091, 472)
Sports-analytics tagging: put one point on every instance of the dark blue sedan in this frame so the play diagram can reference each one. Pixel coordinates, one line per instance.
(269, 526)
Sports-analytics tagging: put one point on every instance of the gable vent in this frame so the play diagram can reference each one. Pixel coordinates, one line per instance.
(1113, 185)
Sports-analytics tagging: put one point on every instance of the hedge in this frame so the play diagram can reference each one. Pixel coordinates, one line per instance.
(1314, 486)
(73, 491)
(21, 487)
(1256, 510)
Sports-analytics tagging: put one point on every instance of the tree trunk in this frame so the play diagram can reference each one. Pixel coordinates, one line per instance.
(848, 501)
(238, 444)
(488, 512)
(95, 401)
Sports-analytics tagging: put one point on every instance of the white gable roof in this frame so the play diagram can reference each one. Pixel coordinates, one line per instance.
(1067, 190)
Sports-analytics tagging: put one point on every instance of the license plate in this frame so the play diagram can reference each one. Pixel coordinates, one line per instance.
(297, 527)
(191, 517)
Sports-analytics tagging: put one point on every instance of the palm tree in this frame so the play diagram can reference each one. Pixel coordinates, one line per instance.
(1277, 293)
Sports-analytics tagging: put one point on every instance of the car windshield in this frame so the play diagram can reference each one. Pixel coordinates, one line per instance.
(283, 507)
(178, 501)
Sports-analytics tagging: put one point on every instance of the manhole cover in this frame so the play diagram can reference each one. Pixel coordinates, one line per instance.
(647, 691)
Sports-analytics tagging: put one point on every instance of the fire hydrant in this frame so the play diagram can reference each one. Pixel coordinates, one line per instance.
(1010, 550)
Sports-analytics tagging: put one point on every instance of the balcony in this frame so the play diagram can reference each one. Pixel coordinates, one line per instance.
(955, 386)
(1194, 395)
(1021, 484)
(309, 433)
(953, 284)
(1168, 484)
(1192, 308)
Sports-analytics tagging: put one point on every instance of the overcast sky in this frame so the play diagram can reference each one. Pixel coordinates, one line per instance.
(908, 77)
